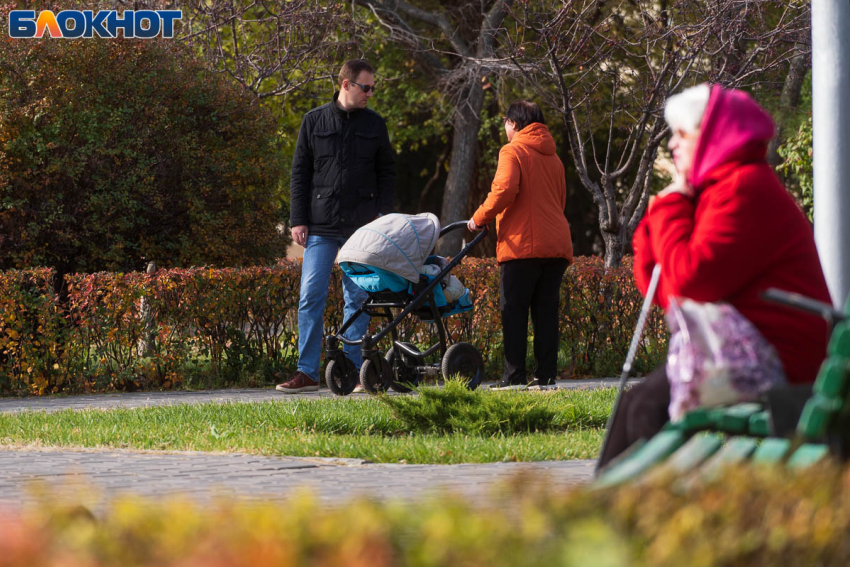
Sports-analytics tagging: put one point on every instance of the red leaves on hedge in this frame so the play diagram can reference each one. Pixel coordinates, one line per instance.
(232, 316)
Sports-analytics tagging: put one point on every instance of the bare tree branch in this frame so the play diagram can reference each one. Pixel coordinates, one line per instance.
(465, 66)
(271, 48)
(617, 62)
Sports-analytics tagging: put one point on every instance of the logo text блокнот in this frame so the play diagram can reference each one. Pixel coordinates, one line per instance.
(85, 23)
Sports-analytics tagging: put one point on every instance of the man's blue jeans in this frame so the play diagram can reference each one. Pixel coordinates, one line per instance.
(319, 257)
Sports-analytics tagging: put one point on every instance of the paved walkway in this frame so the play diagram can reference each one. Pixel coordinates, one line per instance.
(202, 476)
(151, 399)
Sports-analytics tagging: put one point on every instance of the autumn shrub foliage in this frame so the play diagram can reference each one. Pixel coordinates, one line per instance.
(129, 331)
(115, 153)
(750, 516)
(134, 330)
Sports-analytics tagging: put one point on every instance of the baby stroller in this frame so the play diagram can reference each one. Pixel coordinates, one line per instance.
(390, 258)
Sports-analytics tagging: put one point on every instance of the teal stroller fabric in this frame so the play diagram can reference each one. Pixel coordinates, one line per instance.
(392, 255)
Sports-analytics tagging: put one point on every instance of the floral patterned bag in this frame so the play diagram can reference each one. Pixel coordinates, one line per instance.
(716, 357)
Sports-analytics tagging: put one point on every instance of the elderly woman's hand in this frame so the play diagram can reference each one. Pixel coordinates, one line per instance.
(472, 227)
(679, 185)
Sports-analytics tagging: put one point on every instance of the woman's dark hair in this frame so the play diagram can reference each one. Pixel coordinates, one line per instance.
(524, 112)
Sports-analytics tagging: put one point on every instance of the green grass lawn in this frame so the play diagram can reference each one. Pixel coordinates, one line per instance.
(446, 425)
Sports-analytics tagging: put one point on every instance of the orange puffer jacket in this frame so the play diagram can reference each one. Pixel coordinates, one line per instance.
(527, 199)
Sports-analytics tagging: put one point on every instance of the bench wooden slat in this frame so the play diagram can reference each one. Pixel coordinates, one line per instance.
(652, 452)
(736, 450)
(772, 451)
(807, 455)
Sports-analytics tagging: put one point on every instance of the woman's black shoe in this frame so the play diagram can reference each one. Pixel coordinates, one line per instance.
(541, 384)
(506, 384)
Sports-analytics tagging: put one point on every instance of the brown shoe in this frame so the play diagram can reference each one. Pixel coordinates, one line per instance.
(299, 383)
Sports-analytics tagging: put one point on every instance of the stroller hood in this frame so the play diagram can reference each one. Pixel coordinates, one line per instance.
(396, 243)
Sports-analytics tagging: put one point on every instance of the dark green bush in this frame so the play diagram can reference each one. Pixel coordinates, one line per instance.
(456, 409)
(115, 153)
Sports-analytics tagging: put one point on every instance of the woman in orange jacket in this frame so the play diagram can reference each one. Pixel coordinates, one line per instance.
(533, 248)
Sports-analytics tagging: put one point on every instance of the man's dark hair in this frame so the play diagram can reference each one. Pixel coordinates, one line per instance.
(353, 68)
(524, 112)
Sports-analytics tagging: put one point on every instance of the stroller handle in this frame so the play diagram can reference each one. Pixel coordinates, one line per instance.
(455, 226)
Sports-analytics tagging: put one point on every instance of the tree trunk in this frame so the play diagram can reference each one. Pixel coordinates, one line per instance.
(147, 343)
(60, 289)
(461, 166)
(788, 100)
(614, 242)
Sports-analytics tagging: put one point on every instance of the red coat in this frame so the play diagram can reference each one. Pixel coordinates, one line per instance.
(740, 235)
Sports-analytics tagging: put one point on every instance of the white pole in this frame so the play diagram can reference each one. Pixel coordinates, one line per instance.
(831, 129)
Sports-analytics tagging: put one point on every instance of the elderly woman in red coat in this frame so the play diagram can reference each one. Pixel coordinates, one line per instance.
(725, 230)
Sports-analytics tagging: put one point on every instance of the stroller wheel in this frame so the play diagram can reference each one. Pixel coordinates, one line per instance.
(464, 360)
(376, 375)
(341, 376)
(407, 375)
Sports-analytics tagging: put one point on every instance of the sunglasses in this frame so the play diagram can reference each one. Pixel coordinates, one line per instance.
(365, 88)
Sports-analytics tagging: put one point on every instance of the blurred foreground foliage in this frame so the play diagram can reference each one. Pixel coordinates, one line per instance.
(752, 516)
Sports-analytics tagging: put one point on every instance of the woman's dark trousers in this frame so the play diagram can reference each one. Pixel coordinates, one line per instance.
(641, 414)
(531, 284)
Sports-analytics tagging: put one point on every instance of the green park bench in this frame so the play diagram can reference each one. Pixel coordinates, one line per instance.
(707, 439)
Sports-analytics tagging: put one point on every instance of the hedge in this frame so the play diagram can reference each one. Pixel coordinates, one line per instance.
(752, 516)
(239, 320)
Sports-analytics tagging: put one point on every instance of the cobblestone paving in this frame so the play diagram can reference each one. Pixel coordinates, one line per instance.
(202, 476)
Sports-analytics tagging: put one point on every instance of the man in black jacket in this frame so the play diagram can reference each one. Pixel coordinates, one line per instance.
(343, 176)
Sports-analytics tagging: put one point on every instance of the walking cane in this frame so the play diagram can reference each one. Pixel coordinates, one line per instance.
(630, 356)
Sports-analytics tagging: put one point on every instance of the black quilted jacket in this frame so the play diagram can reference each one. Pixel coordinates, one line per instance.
(343, 172)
